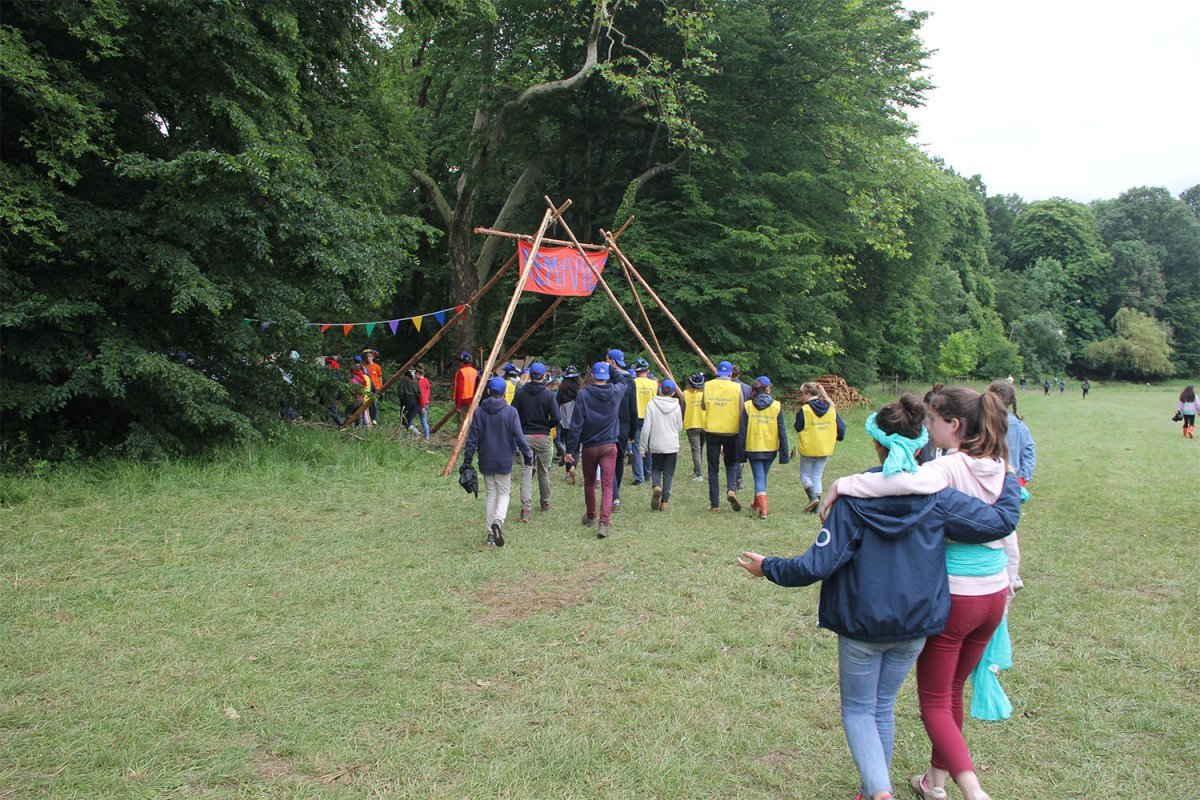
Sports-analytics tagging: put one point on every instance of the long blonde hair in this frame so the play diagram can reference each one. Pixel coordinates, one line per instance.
(814, 389)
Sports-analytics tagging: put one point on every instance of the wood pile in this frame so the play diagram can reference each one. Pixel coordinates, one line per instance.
(841, 393)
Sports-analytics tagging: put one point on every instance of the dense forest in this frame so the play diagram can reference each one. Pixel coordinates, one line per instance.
(186, 186)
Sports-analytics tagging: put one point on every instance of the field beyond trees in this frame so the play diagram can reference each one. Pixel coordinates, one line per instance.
(318, 618)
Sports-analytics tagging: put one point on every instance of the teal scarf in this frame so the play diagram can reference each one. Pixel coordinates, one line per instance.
(902, 451)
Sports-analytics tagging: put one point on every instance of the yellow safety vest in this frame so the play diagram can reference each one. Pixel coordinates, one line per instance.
(819, 434)
(762, 428)
(646, 389)
(693, 414)
(722, 407)
(510, 391)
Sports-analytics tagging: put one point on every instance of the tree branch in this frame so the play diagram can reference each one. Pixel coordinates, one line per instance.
(435, 194)
(658, 169)
(516, 196)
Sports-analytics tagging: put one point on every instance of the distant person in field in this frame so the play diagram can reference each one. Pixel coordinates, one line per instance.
(495, 435)
(737, 378)
(360, 390)
(626, 417)
(426, 388)
(375, 372)
(1046, 387)
(1187, 410)
(646, 389)
(884, 586)
(595, 430)
(1086, 386)
(1023, 382)
(819, 429)
(722, 401)
(568, 391)
(464, 386)
(762, 437)
(538, 410)
(693, 422)
(1062, 386)
(408, 393)
(971, 430)
(659, 443)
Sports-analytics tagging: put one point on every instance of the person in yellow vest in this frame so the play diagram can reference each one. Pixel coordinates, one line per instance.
(693, 422)
(646, 388)
(763, 435)
(819, 427)
(722, 401)
(512, 376)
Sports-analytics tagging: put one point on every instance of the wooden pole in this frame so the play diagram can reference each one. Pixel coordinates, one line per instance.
(616, 303)
(612, 245)
(551, 214)
(645, 317)
(437, 337)
(442, 421)
(527, 238)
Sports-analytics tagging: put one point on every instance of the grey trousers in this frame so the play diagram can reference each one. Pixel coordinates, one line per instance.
(696, 440)
(543, 457)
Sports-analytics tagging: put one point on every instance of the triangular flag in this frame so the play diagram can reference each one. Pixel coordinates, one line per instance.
(346, 329)
(264, 327)
(246, 322)
(440, 316)
(370, 328)
(417, 323)
(393, 324)
(459, 309)
(326, 326)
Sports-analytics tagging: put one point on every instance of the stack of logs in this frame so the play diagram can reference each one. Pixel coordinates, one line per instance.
(841, 393)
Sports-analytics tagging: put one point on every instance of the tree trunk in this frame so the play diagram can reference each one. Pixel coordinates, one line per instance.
(464, 280)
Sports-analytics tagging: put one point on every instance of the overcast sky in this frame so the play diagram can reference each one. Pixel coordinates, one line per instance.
(1049, 98)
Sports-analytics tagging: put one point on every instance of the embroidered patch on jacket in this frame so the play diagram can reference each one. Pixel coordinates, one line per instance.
(824, 537)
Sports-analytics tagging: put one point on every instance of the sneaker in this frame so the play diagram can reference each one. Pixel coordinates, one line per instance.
(526, 514)
(497, 534)
(664, 506)
(715, 509)
(926, 792)
(589, 522)
(602, 531)
(545, 505)
(731, 496)
(616, 506)
(656, 499)
(638, 483)
(491, 542)
(697, 479)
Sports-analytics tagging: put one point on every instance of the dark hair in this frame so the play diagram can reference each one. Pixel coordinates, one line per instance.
(937, 387)
(1006, 394)
(904, 416)
(757, 388)
(983, 418)
(1188, 395)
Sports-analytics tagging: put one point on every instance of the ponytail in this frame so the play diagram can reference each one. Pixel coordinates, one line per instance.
(814, 389)
(983, 419)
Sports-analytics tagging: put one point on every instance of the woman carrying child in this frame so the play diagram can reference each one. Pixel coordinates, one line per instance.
(884, 583)
(761, 437)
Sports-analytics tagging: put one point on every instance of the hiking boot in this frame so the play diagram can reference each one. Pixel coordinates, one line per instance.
(656, 499)
(808, 491)
(497, 534)
(731, 496)
(812, 504)
(589, 522)
(602, 531)
(715, 509)
(545, 505)
(664, 506)
(526, 514)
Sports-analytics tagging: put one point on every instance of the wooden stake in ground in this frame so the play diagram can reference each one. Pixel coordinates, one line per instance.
(551, 214)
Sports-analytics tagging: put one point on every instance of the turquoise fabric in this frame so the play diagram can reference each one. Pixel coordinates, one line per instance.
(902, 451)
(974, 560)
(988, 700)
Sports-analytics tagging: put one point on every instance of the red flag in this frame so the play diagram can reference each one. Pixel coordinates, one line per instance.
(326, 326)
(561, 270)
(346, 329)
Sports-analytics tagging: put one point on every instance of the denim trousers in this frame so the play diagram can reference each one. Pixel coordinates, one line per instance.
(425, 421)
(759, 467)
(870, 675)
(639, 468)
(811, 470)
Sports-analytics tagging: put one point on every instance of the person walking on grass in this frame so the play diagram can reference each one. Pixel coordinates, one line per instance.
(537, 409)
(595, 430)
(762, 435)
(693, 422)
(971, 430)
(568, 390)
(360, 391)
(1046, 387)
(408, 393)
(465, 379)
(722, 401)
(425, 387)
(884, 587)
(659, 442)
(819, 428)
(1187, 410)
(495, 435)
(626, 417)
(737, 378)
(1086, 386)
(645, 389)
(375, 373)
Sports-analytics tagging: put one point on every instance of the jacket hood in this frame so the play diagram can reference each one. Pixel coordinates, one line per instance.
(492, 405)
(819, 406)
(665, 403)
(897, 517)
(762, 401)
(601, 395)
(535, 388)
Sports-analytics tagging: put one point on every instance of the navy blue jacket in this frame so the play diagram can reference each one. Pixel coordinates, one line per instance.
(596, 418)
(537, 408)
(496, 434)
(883, 560)
(627, 407)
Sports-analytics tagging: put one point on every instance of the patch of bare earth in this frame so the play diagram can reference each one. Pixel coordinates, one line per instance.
(513, 602)
(777, 759)
(274, 767)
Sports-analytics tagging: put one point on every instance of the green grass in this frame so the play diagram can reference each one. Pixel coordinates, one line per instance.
(334, 596)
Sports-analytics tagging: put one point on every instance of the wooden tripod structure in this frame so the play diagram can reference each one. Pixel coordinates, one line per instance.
(554, 214)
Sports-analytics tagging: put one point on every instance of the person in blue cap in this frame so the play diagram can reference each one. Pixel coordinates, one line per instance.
(722, 401)
(496, 434)
(595, 428)
(626, 415)
(538, 411)
(645, 388)
(659, 442)
(762, 435)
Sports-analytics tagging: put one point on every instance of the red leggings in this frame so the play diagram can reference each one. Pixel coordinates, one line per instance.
(943, 668)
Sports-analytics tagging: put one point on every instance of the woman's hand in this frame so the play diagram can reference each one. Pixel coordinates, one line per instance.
(752, 563)
(827, 501)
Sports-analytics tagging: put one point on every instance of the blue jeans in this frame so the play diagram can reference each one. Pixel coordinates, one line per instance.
(759, 467)
(870, 675)
(811, 470)
(425, 421)
(639, 467)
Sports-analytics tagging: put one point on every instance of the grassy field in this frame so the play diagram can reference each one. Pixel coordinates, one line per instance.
(318, 618)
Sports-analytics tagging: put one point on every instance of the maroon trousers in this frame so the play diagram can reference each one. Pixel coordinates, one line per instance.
(604, 456)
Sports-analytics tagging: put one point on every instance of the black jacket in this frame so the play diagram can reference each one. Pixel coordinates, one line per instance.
(537, 408)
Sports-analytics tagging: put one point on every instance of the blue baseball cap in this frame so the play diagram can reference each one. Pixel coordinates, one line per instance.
(764, 380)
(464, 357)
(724, 369)
(537, 369)
(617, 356)
(600, 371)
(497, 385)
(669, 386)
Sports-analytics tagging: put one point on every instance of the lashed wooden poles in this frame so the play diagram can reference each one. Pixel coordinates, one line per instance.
(527, 238)
(645, 317)
(612, 245)
(437, 337)
(611, 296)
(551, 214)
(442, 421)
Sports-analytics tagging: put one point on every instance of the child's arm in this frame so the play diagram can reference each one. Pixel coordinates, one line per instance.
(783, 442)
(836, 544)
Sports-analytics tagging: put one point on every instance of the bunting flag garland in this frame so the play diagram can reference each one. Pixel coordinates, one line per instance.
(393, 324)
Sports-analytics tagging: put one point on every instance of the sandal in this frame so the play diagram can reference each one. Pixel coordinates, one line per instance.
(925, 792)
